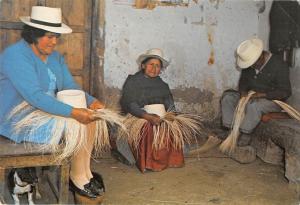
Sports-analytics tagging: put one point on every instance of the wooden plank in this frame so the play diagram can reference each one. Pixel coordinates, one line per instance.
(27, 161)
(71, 46)
(74, 11)
(8, 37)
(140, 4)
(64, 184)
(12, 10)
(87, 44)
(97, 50)
(2, 182)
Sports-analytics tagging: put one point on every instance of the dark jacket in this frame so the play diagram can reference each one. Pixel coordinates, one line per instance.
(139, 90)
(273, 80)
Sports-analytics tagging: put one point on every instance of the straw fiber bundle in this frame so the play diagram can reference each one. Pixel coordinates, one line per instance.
(230, 143)
(67, 135)
(288, 109)
(174, 130)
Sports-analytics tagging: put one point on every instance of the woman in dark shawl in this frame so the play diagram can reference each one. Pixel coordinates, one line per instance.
(140, 90)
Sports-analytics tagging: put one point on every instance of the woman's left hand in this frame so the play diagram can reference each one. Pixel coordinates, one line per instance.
(96, 104)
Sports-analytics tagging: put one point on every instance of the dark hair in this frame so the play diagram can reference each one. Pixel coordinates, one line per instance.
(149, 58)
(31, 34)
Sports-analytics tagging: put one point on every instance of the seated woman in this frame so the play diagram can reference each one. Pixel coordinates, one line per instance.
(31, 73)
(146, 96)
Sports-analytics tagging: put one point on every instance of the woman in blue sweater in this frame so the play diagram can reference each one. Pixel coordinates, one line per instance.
(31, 71)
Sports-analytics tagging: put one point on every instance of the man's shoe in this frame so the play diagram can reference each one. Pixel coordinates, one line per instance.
(244, 140)
(243, 155)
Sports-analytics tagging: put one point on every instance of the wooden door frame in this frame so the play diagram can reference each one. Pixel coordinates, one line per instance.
(97, 86)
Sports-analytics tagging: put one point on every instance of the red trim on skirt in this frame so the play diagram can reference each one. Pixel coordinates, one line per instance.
(147, 158)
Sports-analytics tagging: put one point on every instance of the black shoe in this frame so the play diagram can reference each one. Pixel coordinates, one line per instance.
(97, 184)
(244, 140)
(86, 191)
(119, 157)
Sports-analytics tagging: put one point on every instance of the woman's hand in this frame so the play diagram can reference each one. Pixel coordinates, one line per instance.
(96, 104)
(152, 118)
(82, 115)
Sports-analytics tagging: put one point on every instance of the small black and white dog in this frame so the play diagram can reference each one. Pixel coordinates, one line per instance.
(23, 181)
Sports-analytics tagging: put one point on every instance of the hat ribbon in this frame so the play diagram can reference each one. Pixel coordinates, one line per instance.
(45, 23)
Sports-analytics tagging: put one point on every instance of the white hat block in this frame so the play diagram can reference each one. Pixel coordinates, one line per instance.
(158, 109)
(75, 98)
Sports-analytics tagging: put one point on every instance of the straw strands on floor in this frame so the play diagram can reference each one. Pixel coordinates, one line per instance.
(174, 129)
(230, 143)
(67, 136)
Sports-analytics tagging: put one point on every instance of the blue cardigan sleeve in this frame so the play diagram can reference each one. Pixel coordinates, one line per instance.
(19, 67)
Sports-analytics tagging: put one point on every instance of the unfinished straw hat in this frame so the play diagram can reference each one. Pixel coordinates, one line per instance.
(75, 98)
(248, 52)
(46, 18)
(158, 109)
(156, 53)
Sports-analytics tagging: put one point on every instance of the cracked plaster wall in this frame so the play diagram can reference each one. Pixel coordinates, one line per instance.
(199, 40)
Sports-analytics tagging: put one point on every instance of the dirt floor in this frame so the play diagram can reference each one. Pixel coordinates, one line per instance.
(210, 178)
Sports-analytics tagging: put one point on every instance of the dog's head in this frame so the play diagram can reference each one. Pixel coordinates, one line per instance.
(99, 180)
(27, 175)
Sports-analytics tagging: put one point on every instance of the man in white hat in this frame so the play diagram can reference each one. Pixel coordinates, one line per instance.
(268, 76)
(262, 72)
(31, 71)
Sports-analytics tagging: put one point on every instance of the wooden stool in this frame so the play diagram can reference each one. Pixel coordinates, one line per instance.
(13, 155)
(85, 200)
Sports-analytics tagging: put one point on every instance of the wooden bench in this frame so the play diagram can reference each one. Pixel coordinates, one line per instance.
(277, 141)
(13, 155)
(274, 116)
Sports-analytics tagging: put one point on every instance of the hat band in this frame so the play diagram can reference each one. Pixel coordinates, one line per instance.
(45, 23)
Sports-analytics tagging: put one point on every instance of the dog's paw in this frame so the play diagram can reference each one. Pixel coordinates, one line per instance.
(38, 195)
(37, 192)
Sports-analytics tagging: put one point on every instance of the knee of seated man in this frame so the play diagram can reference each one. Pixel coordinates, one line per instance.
(253, 106)
(228, 95)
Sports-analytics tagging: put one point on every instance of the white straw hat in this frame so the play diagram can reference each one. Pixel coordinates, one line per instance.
(158, 109)
(46, 18)
(154, 52)
(75, 98)
(248, 52)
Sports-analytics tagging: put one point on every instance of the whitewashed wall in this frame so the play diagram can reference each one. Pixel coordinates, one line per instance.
(189, 36)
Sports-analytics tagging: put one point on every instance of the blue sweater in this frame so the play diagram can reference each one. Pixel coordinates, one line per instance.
(24, 77)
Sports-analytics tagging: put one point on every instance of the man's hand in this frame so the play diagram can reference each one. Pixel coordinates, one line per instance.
(82, 115)
(152, 118)
(243, 94)
(96, 104)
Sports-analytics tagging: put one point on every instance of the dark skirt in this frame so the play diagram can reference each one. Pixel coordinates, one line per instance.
(147, 158)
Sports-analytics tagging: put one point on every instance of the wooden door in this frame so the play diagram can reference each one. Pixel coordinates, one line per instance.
(75, 46)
